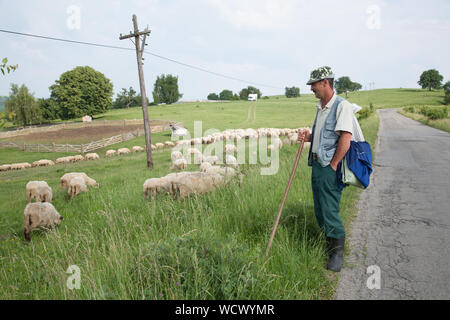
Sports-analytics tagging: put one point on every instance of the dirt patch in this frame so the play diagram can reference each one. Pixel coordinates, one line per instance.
(76, 135)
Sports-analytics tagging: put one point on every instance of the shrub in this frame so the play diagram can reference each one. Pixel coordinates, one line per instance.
(434, 113)
(364, 113)
(409, 109)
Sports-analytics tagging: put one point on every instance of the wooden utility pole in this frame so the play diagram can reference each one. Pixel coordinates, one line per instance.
(140, 45)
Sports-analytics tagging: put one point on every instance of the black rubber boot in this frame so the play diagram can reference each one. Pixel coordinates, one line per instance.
(337, 254)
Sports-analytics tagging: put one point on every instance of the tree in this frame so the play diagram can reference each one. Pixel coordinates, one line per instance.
(4, 67)
(213, 96)
(82, 91)
(166, 89)
(23, 105)
(292, 92)
(226, 95)
(49, 109)
(447, 92)
(126, 99)
(355, 86)
(430, 79)
(243, 94)
(344, 84)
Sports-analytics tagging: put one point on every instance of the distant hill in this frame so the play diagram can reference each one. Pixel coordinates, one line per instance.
(2, 103)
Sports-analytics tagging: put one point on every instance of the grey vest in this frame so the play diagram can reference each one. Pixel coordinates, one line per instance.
(328, 138)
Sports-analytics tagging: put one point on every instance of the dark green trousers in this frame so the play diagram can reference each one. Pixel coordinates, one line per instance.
(327, 198)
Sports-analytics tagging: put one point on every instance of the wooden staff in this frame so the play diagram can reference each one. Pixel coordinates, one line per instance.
(299, 152)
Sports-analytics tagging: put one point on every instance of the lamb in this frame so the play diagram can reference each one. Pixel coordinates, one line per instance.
(32, 190)
(180, 164)
(196, 183)
(76, 186)
(92, 156)
(65, 179)
(123, 151)
(41, 163)
(39, 214)
(110, 153)
(137, 149)
(5, 167)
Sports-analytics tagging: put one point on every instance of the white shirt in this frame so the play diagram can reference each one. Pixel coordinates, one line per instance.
(344, 119)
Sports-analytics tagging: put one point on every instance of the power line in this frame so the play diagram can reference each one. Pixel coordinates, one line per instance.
(146, 52)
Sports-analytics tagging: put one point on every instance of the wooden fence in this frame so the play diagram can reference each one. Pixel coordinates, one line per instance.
(80, 148)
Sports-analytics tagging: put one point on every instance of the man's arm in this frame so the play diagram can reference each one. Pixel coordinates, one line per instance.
(342, 148)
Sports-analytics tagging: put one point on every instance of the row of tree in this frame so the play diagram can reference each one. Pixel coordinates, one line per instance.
(78, 92)
(228, 94)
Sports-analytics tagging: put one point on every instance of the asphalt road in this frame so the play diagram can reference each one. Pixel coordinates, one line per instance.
(403, 222)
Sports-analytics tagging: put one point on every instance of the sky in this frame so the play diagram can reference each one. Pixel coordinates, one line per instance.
(274, 43)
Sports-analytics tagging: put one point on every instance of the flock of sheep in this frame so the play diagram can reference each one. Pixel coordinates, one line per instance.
(179, 184)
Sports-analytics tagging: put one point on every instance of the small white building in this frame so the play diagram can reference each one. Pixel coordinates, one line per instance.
(252, 97)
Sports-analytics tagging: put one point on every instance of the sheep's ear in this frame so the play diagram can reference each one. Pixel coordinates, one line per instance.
(61, 218)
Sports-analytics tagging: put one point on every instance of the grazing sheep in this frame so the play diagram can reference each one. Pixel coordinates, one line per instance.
(137, 149)
(20, 166)
(65, 179)
(31, 189)
(223, 171)
(212, 159)
(176, 155)
(110, 153)
(155, 186)
(91, 156)
(196, 183)
(153, 147)
(76, 186)
(231, 160)
(5, 167)
(190, 151)
(63, 160)
(169, 144)
(159, 145)
(204, 166)
(76, 158)
(42, 163)
(44, 194)
(123, 151)
(39, 214)
(230, 148)
(180, 164)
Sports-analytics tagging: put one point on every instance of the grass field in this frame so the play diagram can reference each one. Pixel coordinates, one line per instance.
(205, 247)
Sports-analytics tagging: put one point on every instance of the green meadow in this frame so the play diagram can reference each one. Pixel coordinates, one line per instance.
(208, 246)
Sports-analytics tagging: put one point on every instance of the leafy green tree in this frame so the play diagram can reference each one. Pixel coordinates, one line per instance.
(355, 86)
(23, 105)
(82, 91)
(343, 84)
(243, 94)
(49, 109)
(8, 68)
(213, 96)
(292, 92)
(447, 92)
(166, 89)
(235, 97)
(430, 79)
(126, 99)
(226, 95)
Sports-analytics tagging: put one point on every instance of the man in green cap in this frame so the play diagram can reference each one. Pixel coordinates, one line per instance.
(330, 140)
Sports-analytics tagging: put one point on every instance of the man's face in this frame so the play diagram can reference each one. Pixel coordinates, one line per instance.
(319, 88)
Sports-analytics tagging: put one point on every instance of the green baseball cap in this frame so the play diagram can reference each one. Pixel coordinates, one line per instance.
(320, 74)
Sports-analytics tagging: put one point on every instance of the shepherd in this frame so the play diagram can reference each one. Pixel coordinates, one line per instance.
(330, 140)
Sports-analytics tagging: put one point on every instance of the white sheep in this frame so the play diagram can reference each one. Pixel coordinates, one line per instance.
(155, 186)
(110, 153)
(196, 183)
(39, 215)
(42, 163)
(77, 158)
(137, 149)
(153, 147)
(223, 171)
(65, 179)
(76, 186)
(204, 166)
(231, 160)
(169, 144)
(212, 159)
(176, 155)
(31, 189)
(20, 166)
(230, 148)
(92, 156)
(159, 145)
(180, 164)
(5, 167)
(63, 160)
(123, 151)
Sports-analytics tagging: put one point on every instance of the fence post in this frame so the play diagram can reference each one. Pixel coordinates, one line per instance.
(24, 148)
(53, 147)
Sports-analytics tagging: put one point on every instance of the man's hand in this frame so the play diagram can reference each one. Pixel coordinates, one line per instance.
(305, 135)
